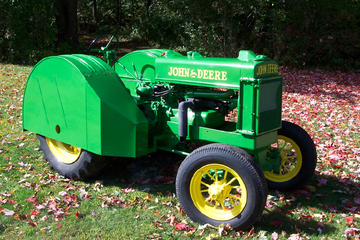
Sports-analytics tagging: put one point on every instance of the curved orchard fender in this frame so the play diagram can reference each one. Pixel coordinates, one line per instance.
(79, 100)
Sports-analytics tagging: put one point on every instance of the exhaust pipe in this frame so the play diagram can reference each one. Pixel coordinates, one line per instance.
(183, 118)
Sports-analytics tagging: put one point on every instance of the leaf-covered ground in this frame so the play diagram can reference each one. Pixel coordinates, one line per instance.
(134, 198)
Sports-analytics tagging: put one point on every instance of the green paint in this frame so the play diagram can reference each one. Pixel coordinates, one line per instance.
(85, 98)
(131, 109)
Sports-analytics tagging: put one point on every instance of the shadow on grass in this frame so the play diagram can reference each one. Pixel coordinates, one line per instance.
(313, 210)
(156, 172)
(316, 209)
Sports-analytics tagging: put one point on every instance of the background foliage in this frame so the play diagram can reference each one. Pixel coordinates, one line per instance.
(297, 33)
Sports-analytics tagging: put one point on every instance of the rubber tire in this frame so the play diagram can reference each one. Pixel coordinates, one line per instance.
(309, 157)
(239, 161)
(87, 165)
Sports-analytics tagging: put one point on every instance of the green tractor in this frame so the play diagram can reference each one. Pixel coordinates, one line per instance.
(85, 109)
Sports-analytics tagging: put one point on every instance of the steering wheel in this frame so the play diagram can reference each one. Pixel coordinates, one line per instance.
(106, 48)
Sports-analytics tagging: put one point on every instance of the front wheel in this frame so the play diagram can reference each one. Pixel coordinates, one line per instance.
(296, 155)
(221, 184)
(70, 161)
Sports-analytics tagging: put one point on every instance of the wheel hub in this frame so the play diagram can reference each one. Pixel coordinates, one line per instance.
(219, 191)
(65, 153)
(286, 159)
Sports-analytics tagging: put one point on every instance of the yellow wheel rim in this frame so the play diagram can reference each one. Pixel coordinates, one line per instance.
(291, 160)
(65, 153)
(218, 192)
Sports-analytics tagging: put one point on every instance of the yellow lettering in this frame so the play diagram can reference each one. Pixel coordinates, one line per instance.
(187, 72)
(175, 72)
(223, 75)
(206, 74)
(200, 73)
(261, 70)
(211, 74)
(273, 68)
(170, 73)
(217, 75)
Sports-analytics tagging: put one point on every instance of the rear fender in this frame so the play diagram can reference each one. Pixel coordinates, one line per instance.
(81, 101)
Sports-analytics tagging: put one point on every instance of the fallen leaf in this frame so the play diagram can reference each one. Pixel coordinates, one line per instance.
(8, 212)
(277, 223)
(34, 224)
(32, 200)
(63, 193)
(274, 236)
(349, 219)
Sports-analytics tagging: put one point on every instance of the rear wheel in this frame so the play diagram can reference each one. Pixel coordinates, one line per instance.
(297, 157)
(70, 161)
(221, 184)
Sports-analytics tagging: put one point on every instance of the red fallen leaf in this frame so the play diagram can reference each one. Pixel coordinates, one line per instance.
(21, 138)
(34, 212)
(78, 215)
(12, 201)
(306, 216)
(277, 223)
(58, 225)
(33, 200)
(34, 224)
(349, 204)
(287, 205)
(251, 232)
(349, 219)
(182, 226)
(74, 198)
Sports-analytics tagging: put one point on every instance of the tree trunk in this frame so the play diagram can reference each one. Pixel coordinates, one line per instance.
(67, 23)
(94, 10)
(148, 7)
(118, 12)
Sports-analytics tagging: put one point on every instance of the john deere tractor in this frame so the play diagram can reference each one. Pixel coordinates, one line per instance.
(85, 108)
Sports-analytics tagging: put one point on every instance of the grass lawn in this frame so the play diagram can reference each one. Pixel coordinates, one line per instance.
(135, 198)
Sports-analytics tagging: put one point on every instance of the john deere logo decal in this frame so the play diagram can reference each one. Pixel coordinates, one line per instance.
(198, 73)
(267, 69)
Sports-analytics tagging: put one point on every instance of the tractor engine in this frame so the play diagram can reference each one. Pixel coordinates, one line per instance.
(191, 93)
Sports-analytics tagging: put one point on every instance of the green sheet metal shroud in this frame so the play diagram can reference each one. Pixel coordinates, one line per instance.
(80, 100)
